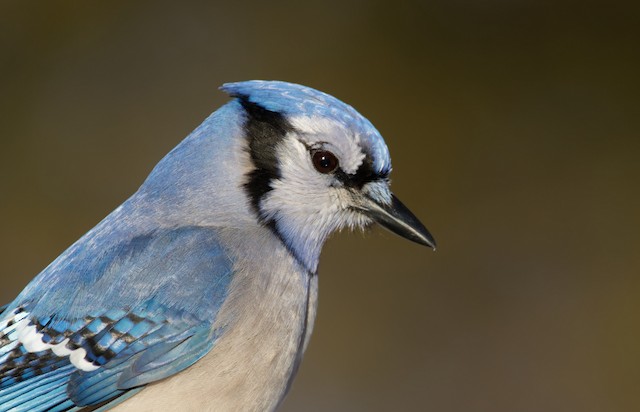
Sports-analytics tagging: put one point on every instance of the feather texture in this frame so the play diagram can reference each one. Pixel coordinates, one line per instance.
(199, 292)
(127, 337)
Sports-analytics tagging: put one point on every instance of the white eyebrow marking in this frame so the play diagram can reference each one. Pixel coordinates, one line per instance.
(333, 136)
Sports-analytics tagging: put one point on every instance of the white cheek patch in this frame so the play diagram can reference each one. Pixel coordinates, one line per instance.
(305, 205)
(19, 330)
(295, 159)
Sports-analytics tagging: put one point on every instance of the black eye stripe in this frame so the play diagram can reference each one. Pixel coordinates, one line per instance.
(363, 175)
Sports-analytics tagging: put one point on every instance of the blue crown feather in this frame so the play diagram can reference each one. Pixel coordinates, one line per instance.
(297, 100)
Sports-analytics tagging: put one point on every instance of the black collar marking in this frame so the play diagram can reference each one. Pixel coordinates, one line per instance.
(265, 130)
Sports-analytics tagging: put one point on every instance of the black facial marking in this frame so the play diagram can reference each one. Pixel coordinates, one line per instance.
(363, 175)
(265, 130)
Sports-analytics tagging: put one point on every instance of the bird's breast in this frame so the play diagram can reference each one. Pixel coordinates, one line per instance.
(263, 327)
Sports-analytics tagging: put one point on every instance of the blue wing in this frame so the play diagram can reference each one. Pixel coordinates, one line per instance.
(99, 324)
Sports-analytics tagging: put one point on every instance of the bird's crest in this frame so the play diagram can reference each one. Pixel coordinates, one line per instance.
(296, 101)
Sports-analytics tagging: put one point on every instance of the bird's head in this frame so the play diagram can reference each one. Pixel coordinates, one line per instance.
(317, 166)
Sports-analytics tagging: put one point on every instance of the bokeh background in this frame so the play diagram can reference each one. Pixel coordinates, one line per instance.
(513, 127)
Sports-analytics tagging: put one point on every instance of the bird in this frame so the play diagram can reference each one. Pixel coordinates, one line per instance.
(199, 292)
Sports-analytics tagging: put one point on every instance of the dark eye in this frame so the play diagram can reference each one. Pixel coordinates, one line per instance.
(324, 162)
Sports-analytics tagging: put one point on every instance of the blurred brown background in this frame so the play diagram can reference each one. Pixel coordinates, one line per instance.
(513, 127)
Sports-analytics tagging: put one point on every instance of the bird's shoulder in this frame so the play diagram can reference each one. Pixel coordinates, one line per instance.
(179, 267)
(113, 313)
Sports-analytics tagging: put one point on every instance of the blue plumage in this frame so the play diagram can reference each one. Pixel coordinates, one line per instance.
(207, 274)
(150, 329)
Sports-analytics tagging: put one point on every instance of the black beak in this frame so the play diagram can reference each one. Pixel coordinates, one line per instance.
(398, 219)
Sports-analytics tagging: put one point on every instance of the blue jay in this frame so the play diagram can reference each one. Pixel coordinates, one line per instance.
(199, 292)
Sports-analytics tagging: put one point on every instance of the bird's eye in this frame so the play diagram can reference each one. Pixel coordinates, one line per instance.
(324, 162)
